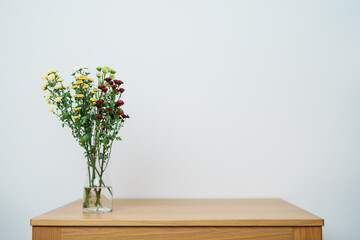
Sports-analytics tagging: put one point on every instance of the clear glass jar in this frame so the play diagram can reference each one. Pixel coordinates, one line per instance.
(98, 195)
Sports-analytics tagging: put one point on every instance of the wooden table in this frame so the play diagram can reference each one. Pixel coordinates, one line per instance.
(175, 219)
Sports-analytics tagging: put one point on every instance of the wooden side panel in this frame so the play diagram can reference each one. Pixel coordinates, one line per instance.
(176, 233)
(307, 233)
(46, 233)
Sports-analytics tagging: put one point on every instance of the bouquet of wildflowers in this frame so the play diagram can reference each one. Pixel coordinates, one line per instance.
(94, 114)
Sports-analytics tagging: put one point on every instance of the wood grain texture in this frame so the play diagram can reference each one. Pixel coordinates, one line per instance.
(46, 233)
(307, 233)
(184, 212)
(176, 233)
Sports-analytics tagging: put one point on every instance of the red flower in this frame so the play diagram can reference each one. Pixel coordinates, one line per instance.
(101, 86)
(107, 79)
(108, 108)
(110, 82)
(119, 112)
(113, 86)
(104, 89)
(100, 101)
(125, 116)
(122, 90)
(99, 117)
(119, 103)
(119, 82)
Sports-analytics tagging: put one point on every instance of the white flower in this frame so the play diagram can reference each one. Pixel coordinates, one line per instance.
(58, 99)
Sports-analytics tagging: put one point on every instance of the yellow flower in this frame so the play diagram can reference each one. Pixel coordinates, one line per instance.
(77, 109)
(57, 87)
(51, 109)
(75, 117)
(75, 86)
(79, 82)
(49, 102)
(43, 87)
(79, 95)
(94, 103)
(81, 77)
(92, 92)
(48, 97)
(51, 77)
(44, 76)
(58, 99)
(93, 99)
(60, 80)
(67, 86)
(53, 70)
(90, 79)
(85, 86)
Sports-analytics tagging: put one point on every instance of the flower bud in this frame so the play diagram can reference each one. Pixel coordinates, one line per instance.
(112, 71)
(119, 103)
(98, 74)
(107, 79)
(114, 86)
(105, 70)
(119, 82)
(101, 86)
(122, 90)
(98, 68)
(109, 108)
(112, 76)
(104, 89)
(119, 112)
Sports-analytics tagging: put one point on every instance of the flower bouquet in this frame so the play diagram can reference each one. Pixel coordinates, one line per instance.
(94, 114)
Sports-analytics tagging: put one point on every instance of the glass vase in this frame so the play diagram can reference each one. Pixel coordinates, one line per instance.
(98, 196)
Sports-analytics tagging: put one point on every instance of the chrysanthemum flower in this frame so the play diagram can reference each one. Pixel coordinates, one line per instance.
(79, 95)
(47, 97)
(67, 86)
(93, 99)
(58, 99)
(90, 79)
(51, 77)
(53, 70)
(51, 109)
(77, 109)
(75, 117)
(44, 76)
(85, 86)
(92, 92)
(57, 87)
(75, 86)
(43, 87)
(81, 77)
(60, 80)
(79, 82)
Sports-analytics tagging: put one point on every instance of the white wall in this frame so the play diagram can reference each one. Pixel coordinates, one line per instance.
(228, 99)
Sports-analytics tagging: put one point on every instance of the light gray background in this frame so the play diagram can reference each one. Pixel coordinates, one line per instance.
(228, 99)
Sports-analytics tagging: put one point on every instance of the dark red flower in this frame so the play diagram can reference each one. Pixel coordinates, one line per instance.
(119, 82)
(119, 103)
(122, 90)
(101, 86)
(107, 79)
(108, 108)
(113, 86)
(119, 112)
(99, 117)
(100, 101)
(125, 116)
(110, 82)
(104, 89)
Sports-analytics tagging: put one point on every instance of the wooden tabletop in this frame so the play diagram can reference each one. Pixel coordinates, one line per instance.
(183, 212)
